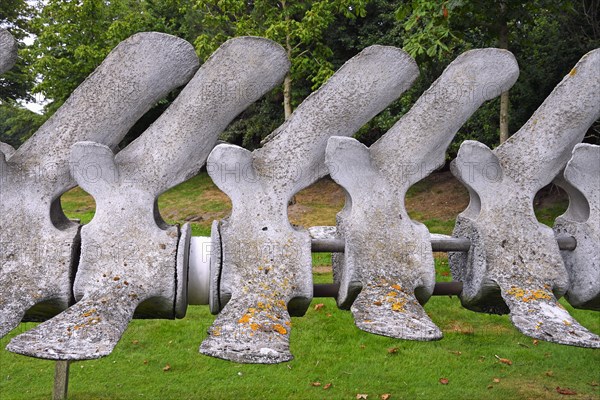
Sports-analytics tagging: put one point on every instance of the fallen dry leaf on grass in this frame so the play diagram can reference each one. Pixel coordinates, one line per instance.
(319, 306)
(385, 396)
(135, 342)
(496, 380)
(565, 391)
(456, 353)
(504, 360)
(444, 381)
(327, 386)
(392, 350)
(167, 368)
(549, 373)
(362, 396)
(315, 384)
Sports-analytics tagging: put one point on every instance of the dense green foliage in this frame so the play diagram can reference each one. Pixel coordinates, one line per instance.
(73, 36)
(17, 123)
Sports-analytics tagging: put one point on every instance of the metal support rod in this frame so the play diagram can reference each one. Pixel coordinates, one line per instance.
(61, 380)
(437, 244)
(440, 289)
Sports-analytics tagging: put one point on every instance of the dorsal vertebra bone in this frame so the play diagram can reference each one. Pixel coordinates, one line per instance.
(38, 243)
(388, 262)
(8, 51)
(582, 221)
(514, 263)
(266, 262)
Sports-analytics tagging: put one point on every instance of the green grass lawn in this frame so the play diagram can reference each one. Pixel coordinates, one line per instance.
(328, 349)
(158, 359)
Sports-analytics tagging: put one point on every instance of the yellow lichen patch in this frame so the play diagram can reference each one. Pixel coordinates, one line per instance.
(399, 305)
(573, 72)
(87, 314)
(567, 323)
(244, 319)
(397, 287)
(216, 331)
(288, 323)
(392, 294)
(279, 329)
(527, 295)
(254, 326)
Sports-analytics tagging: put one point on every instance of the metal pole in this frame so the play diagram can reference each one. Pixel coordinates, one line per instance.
(61, 380)
(437, 244)
(441, 289)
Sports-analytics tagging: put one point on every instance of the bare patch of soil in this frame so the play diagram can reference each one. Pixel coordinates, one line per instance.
(438, 196)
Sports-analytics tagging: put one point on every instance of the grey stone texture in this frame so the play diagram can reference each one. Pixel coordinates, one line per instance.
(8, 51)
(581, 180)
(38, 244)
(514, 264)
(387, 271)
(266, 262)
(128, 253)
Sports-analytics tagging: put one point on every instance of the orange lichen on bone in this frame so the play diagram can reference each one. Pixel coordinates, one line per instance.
(527, 295)
(244, 319)
(279, 329)
(399, 305)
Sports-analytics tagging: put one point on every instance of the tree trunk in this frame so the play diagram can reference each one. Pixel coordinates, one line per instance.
(503, 117)
(287, 82)
(503, 44)
(287, 95)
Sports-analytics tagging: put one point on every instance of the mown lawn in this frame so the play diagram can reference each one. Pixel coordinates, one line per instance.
(159, 359)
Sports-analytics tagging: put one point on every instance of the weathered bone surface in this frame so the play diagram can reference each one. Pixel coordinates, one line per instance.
(37, 242)
(582, 221)
(8, 51)
(514, 263)
(387, 270)
(266, 262)
(128, 256)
